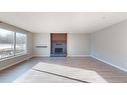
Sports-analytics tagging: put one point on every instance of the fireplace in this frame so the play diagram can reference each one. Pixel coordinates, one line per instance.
(58, 45)
(58, 50)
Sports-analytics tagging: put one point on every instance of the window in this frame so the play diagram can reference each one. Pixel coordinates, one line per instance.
(12, 43)
(20, 43)
(6, 43)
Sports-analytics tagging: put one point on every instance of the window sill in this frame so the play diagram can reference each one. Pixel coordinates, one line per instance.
(11, 57)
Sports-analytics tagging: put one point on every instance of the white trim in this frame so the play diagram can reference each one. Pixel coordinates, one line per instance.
(41, 55)
(118, 67)
(78, 55)
(67, 55)
(13, 56)
(15, 63)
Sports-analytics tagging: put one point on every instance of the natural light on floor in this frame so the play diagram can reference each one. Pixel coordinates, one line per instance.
(38, 74)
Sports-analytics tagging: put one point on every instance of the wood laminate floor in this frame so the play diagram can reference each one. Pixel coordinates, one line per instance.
(107, 72)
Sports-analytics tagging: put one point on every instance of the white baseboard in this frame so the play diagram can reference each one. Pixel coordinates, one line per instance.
(15, 63)
(109, 63)
(67, 55)
(78, 55)
(41, 55)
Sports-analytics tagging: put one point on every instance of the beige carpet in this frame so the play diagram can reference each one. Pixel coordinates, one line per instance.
(44, 72)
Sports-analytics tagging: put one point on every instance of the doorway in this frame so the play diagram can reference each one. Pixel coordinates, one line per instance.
(58, 44)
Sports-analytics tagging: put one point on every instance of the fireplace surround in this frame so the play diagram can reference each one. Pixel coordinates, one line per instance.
(58, 45)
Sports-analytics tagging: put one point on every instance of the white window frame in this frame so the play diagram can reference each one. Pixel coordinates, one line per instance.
(15, 54)
(18, 54)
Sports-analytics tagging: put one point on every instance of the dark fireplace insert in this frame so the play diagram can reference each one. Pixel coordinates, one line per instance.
(58, 50)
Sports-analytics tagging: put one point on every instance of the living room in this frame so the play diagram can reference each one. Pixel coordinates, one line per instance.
(92, 45)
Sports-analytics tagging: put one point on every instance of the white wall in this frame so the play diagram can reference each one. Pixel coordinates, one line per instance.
(78, 44)
(8, 62)
(110, 45)
(41, 40)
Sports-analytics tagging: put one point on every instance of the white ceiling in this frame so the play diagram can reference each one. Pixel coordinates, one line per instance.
(70, 22)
